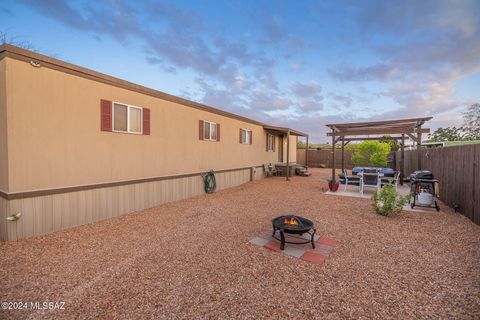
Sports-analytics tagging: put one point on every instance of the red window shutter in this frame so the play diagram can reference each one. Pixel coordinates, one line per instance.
(146, 121)
(266, 148)
(105, 115)
(200, 129)
(251, 137)
(273, 145)
(240, 136)
(218, 131)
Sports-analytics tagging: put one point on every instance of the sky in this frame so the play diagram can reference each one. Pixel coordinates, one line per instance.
(299, 64)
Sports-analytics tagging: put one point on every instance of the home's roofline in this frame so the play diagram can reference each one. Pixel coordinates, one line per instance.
(285, 130)
(10, 51)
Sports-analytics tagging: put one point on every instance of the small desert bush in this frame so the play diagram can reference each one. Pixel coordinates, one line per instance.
(387, 200)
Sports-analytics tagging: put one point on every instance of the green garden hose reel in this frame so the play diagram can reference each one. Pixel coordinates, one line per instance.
(209, 182)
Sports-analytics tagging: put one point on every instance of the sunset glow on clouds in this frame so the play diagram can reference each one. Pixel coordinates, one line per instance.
(293, 63)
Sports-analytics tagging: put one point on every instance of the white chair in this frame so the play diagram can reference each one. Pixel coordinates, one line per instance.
(370, 180)
(354, 180)
(385, 180)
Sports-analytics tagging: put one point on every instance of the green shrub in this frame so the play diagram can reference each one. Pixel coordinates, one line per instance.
(387, 200)
(373, 153)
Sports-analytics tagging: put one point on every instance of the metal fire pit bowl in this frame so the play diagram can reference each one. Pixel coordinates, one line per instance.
(293, 224)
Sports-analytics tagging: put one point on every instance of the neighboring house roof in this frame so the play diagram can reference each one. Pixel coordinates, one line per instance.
(450, 143)
(14, 52)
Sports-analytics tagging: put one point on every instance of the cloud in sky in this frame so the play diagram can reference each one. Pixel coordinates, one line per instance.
(294, 64)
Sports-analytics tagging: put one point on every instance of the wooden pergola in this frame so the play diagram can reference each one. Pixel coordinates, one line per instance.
(376, 130)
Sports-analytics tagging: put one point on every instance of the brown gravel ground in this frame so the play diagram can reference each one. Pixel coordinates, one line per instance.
(192, 259)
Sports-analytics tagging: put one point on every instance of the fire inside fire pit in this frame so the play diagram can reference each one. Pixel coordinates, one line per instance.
(290, 221)
(293, 225)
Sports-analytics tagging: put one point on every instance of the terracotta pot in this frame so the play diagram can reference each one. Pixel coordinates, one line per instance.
(333, 186)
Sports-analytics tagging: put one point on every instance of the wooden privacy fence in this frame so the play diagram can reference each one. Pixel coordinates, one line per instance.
(318, 158)
(457, 169)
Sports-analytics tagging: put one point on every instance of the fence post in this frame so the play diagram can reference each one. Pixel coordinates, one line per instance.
(306, 155)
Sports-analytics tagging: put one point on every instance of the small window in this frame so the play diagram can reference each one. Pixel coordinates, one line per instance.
(270, 142)
(246, 136)
(210, 130)
(127, 118)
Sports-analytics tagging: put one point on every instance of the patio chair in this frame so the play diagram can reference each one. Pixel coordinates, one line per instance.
(273, 169)
(369, 180)
(353, 179)
(266, 170)
(394, 180)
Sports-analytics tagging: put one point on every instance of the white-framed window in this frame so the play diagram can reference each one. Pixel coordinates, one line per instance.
(209, 131)
(270, 142)
(246, 136)
(127, 118)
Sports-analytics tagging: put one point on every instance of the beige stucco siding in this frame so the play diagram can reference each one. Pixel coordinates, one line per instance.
(3, 130)
(55, 139)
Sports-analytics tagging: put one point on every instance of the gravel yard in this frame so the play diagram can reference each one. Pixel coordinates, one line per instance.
(193, 259)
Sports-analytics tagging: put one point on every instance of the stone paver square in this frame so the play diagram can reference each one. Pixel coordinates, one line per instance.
(273, 245)
(323, 246)
(328, 241)
(259, 241)
(293, 252)
(313, 257)
(267, 234)
(323, 249)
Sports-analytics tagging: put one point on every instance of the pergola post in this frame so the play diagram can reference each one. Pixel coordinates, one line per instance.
(419, 148)
(333, 155)
(306, 155)
(402, 160)
(288, 155)
(343, 154)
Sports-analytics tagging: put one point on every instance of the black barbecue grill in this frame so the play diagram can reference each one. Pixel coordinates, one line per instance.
(423, 190)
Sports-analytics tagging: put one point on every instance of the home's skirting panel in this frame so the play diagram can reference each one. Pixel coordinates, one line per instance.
(49, 213)
(258, 173)
(3, 216)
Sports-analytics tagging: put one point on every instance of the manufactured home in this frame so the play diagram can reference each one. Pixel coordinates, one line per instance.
(78, 146)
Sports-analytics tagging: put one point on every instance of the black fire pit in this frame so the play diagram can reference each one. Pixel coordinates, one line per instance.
(293, 225)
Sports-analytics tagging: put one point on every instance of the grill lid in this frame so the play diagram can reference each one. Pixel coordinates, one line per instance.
(422, 174)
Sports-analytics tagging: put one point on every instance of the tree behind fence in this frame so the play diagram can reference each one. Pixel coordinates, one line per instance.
(458, 172)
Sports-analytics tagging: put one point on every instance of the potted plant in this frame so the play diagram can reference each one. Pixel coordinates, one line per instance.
(333, 185)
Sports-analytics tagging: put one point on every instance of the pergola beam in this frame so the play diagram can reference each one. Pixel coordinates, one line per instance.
(371, 138)
(412, 137)
(383, 122)
(376, 131)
